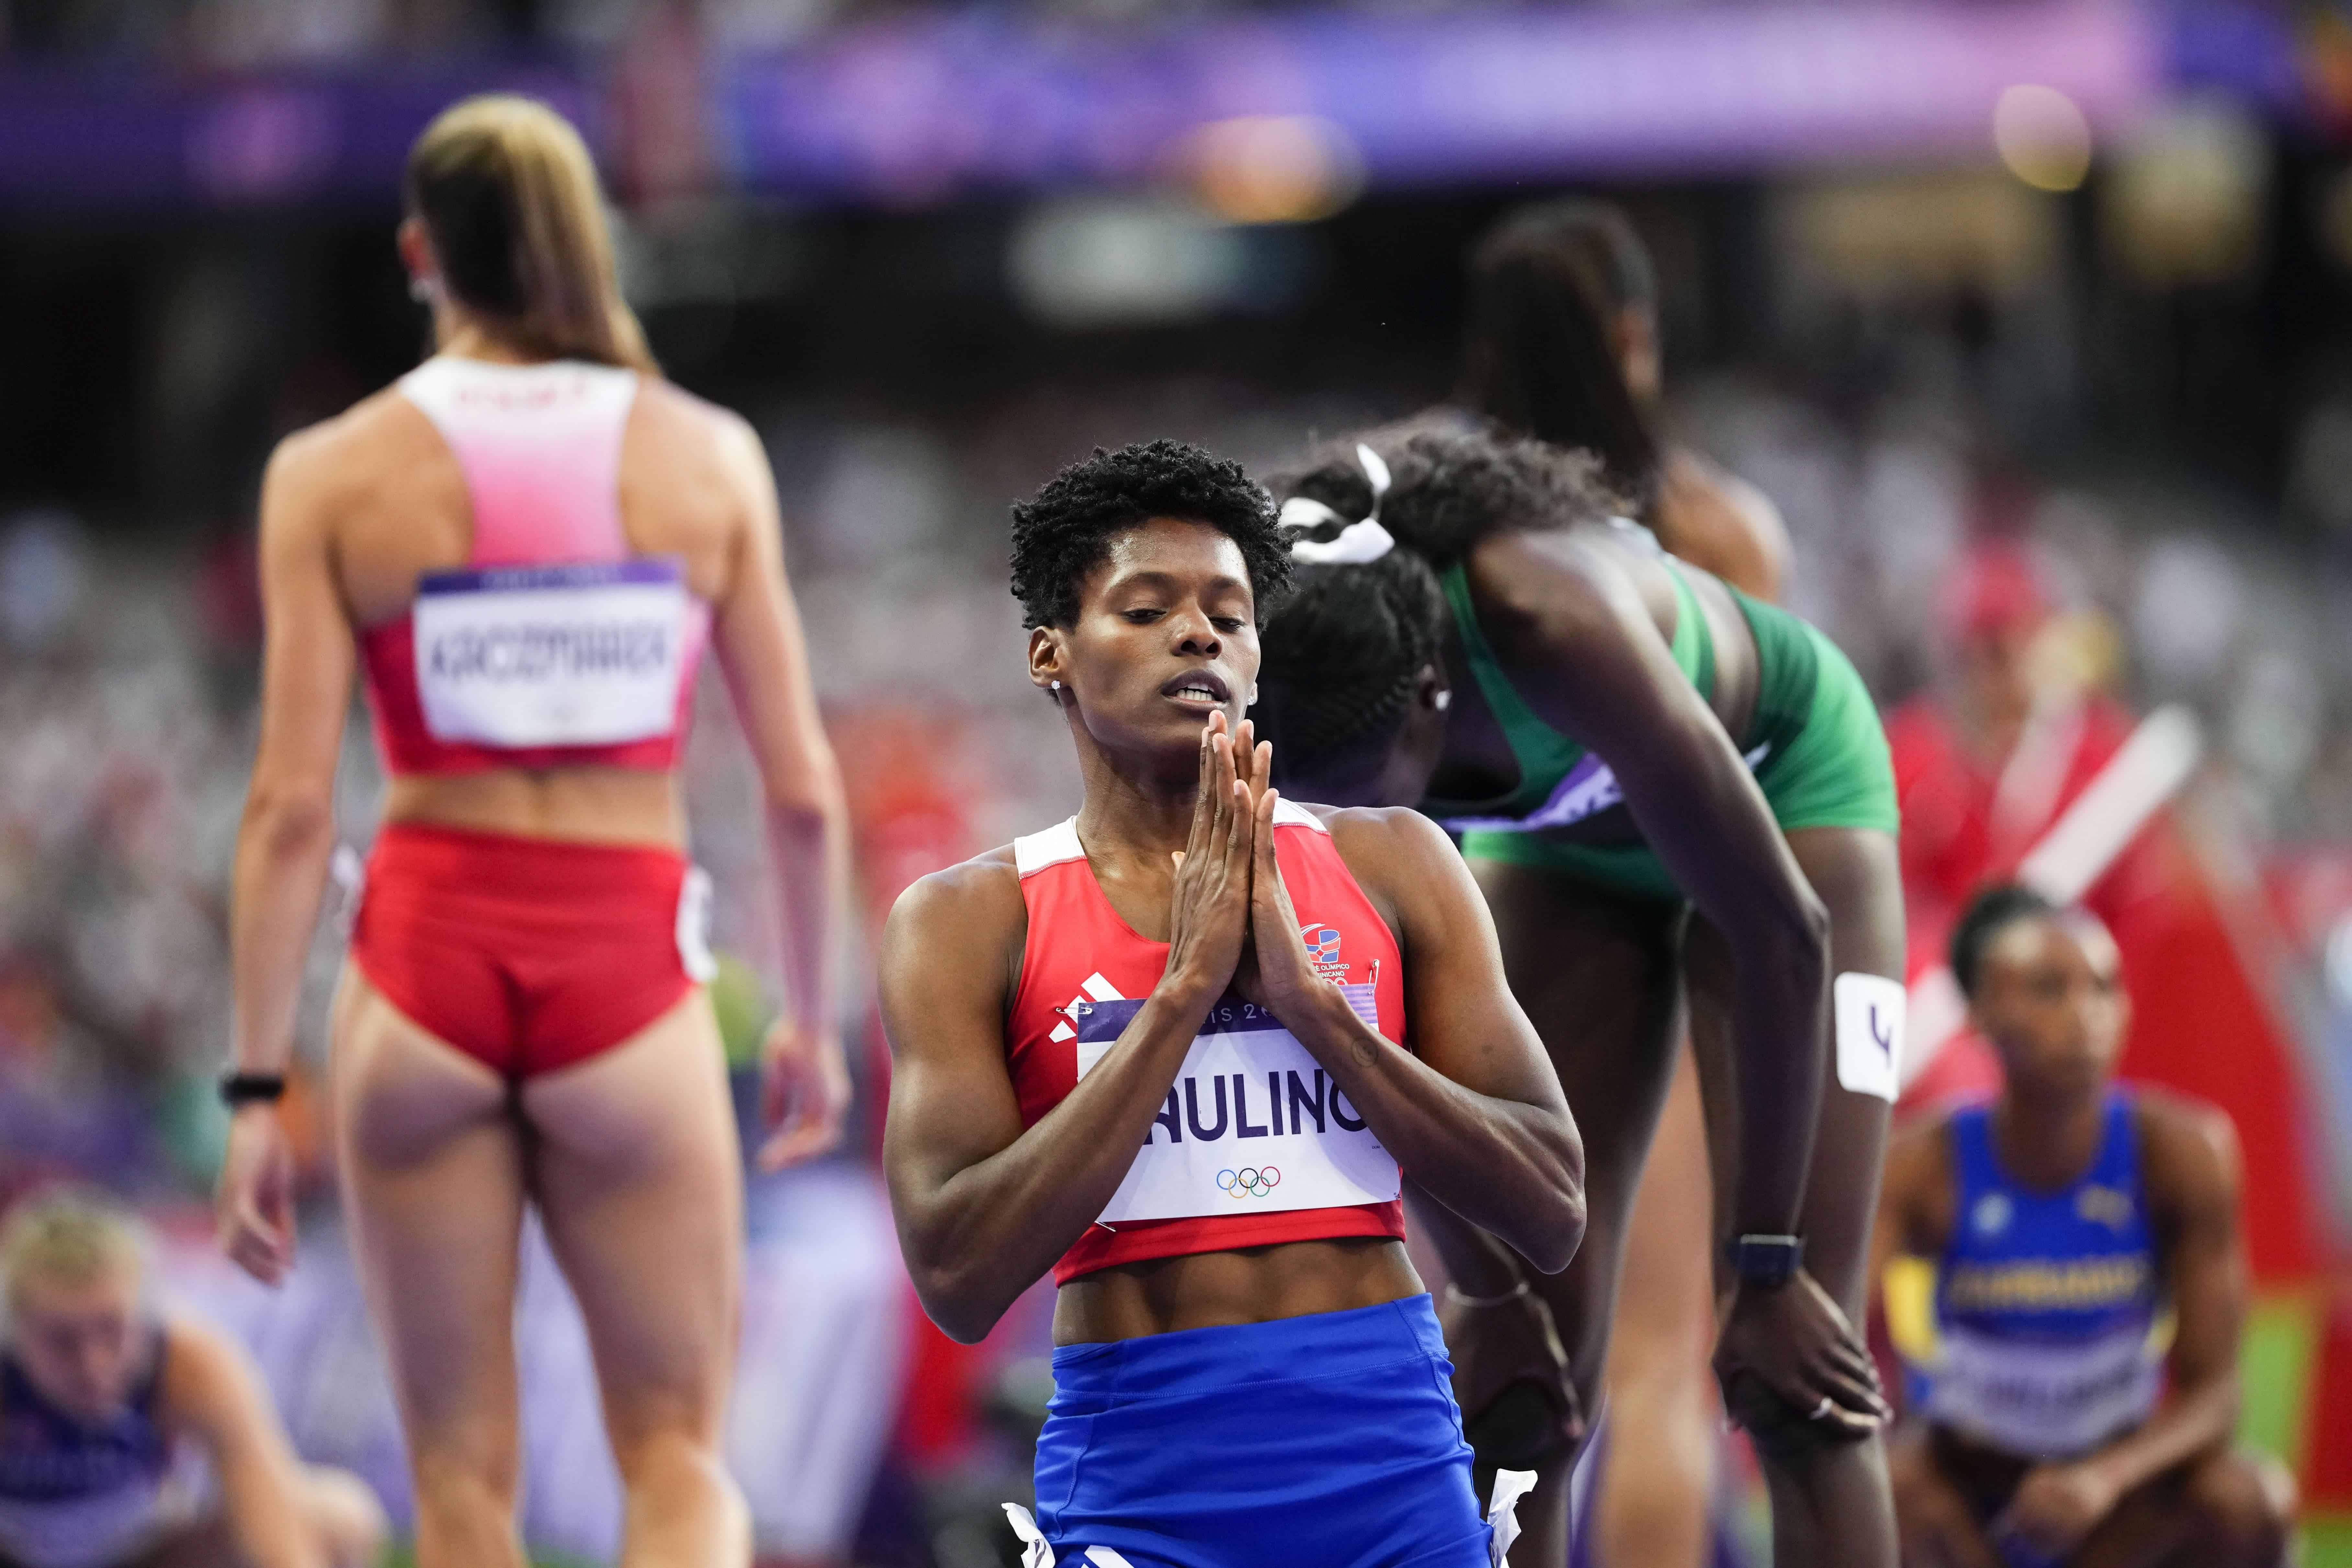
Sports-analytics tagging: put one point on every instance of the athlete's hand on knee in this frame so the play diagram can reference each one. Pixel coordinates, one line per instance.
(804, 1093)
(1208, 908)
(2054, 1507)
(1794, 1339)
(254, 1203)
(1500, 1344)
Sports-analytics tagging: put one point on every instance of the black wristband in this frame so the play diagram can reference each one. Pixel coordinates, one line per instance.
(246, 1088)
(1764, 1261)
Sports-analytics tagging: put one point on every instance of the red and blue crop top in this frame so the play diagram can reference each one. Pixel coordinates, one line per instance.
(1257, 1144)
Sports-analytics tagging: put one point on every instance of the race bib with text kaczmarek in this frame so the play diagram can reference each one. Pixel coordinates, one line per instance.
(586, 654)
(1253, 1123)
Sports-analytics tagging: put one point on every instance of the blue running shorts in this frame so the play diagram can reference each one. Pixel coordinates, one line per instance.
(1325, 1441)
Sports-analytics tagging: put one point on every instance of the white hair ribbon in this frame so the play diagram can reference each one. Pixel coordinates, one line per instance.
(1356, 542)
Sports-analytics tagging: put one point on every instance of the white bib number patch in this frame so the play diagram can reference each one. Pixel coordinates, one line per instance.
(1253, 1125)
(1869, 1021)
(552, 655)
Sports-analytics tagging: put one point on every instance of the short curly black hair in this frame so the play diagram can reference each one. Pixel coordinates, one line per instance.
(1065, 531)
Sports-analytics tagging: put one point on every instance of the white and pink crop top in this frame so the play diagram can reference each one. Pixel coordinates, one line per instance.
(552, 646)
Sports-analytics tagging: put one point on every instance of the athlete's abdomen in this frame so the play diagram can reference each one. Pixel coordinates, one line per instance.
(1217, 1289)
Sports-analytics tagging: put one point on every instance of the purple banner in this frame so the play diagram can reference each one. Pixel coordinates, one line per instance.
(932, 103)
(917, 108)
(118, 137)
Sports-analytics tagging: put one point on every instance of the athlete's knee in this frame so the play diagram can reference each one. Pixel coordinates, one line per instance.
(2244, 1506)
(672, 1462)
(1782, 1434)
(463, 1487)
(347, 1517)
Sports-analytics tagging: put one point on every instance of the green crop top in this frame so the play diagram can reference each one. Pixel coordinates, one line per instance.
(1560, 781)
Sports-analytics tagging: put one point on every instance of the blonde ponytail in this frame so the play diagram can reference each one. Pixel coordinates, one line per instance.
(508, 195)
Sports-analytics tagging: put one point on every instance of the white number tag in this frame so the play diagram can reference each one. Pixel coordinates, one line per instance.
(1252, 1125)
(552, 655)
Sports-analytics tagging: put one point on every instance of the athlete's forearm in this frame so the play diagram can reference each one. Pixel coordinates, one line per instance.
(980, 1239)
(1515, 1168)
(284, 846)
(808, 849)
(1779, 1020)
(2189, 1423)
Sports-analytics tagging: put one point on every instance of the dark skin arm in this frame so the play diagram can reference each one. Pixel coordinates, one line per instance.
(1474, 1111)
(984, 1207)
(2188, 1160)
(1565, 610)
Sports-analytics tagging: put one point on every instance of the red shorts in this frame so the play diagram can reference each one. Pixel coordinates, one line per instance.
(528, 954)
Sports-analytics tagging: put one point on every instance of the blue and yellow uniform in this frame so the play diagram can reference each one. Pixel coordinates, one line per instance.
(2045, 1342)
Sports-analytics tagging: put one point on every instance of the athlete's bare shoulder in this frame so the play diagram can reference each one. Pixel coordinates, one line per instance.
(979, 896)
(991, 874)
(2188, 1150)
(1388, 832)
(963, 928)
(675, 413)
(1719, 522)
(207, 1379)
(381, 437)
(694, 437)
(1398, 856)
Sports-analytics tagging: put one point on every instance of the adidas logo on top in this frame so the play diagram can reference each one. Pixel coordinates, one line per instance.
(1095, 989)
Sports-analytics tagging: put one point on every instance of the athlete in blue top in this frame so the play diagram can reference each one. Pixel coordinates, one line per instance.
(130, 1436)
(2063, 1219)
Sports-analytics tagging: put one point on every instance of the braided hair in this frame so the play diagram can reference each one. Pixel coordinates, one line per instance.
(1341, 656)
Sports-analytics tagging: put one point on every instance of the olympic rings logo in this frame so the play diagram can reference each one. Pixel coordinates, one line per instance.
(1249, 1182)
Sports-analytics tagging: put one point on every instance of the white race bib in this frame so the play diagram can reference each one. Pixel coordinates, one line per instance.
(2043, 1401)
(585, 655)
(1253, 1123)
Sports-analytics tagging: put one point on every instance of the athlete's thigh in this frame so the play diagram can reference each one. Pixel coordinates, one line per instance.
(1855, 873)
(2208, 1512)
(432, 1175)
(637, 1171)
(1857, 876)
(1599, 979)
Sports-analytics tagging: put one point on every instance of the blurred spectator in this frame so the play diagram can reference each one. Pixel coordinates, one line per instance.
(132, 1436)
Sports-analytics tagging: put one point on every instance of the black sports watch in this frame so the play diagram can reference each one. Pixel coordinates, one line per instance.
(1766, 1260)
(246, 1088)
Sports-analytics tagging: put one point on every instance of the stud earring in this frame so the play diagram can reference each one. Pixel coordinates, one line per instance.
(1442, 702)
(1058, 686)
(422, 290)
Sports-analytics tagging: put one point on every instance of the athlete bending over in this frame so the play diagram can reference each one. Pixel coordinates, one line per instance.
(2061, 1218)
(1175, 1050)
(1618, 736)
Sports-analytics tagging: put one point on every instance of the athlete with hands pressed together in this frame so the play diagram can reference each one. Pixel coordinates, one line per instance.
(1176, 1050)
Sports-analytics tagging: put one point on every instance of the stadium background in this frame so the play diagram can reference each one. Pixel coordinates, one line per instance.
(2034, 319)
